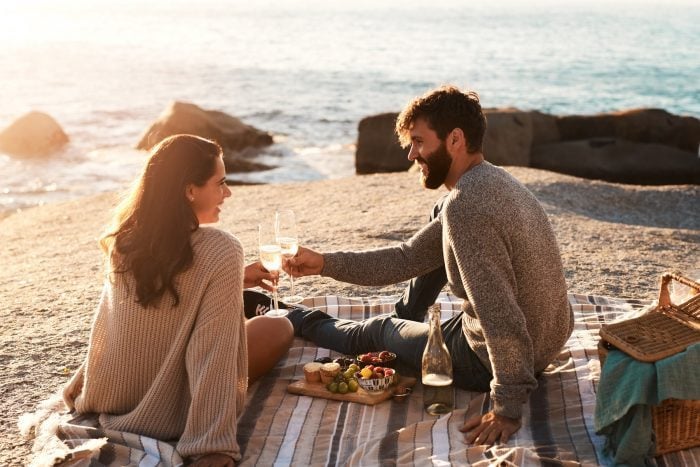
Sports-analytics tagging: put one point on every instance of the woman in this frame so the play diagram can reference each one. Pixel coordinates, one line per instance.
(168, 355)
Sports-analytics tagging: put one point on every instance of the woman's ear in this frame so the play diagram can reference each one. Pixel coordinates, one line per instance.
(189, 192)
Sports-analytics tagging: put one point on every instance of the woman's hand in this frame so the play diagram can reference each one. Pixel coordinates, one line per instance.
(214, 460)
(255, 275)
(305, 263)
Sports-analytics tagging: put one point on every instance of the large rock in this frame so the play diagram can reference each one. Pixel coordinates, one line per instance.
(639, 125)
(237, 164)
(544, 128)
(616, 160)
(33, 134)
(180, 117)
(508, 137)
(668, 154)
(378, 149)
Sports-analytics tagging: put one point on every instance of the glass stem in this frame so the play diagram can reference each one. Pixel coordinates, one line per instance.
(291, 284)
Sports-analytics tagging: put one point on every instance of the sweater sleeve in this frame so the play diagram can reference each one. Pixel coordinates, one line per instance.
(74, 387)
(216, 361)
(420, 254)
(483, 258)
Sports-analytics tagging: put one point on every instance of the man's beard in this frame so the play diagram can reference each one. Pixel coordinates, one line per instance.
(438, 162)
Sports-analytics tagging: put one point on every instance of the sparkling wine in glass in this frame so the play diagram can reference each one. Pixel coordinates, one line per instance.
(271, 259)
(286, 230)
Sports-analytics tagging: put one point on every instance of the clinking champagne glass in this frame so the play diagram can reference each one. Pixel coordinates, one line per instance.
(286, 229)
(271, 259)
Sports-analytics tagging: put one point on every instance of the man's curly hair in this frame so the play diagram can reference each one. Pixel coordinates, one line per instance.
(445, 109)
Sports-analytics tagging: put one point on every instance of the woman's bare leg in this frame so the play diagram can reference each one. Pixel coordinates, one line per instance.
(268, 340)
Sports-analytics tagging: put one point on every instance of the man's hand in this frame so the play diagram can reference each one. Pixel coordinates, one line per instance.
(214, 460)
(489, 429)
(305, 263)
(255, 275)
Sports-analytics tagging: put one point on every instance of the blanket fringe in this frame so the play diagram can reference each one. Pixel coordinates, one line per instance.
(42, 425)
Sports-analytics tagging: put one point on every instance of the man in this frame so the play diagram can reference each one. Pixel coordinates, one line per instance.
(499, 253)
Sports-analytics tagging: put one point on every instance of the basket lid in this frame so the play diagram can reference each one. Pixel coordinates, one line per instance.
(657, 334)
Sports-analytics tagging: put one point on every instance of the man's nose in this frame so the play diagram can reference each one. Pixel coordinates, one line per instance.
(412, 153)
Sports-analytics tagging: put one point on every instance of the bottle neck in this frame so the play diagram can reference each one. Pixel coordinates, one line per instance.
(436, 358)
(435, 331)
(435, 317)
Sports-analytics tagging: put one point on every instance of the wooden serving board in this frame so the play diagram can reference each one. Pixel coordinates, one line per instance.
(304, 388)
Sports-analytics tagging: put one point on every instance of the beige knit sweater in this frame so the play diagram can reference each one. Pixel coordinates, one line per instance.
(173, 372)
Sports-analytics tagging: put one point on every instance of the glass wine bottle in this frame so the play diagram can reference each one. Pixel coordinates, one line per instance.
(438, 394)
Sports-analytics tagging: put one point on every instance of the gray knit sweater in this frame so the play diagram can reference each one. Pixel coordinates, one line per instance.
(502, 257)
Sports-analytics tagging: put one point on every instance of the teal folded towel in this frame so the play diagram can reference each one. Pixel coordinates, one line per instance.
(629, 388)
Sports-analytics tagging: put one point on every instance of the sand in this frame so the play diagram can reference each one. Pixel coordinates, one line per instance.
(615, 240)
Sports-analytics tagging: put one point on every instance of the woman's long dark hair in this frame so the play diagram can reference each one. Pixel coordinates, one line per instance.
(150, 234)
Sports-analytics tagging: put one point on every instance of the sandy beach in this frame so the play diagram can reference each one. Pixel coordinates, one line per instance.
(615, 240)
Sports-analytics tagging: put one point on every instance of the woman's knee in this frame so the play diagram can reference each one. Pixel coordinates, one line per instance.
(270, 330)
(268, 340)
(283, 330)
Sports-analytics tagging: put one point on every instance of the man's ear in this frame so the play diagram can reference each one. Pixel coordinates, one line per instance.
(456, 139)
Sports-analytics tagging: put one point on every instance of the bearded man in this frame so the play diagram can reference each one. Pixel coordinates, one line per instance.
(490, 239)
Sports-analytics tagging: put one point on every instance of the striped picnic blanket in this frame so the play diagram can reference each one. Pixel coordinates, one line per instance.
(279, 428)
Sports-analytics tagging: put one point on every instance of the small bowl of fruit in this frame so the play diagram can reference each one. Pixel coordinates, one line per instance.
(375, 378)
(383, 359)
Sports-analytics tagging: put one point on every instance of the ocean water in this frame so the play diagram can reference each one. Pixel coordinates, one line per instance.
(309, 70)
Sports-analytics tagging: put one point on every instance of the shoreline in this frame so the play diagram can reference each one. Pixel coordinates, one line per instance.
(615, 240)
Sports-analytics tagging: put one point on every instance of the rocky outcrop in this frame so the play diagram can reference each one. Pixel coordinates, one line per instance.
(378, 149)
(647, 146)
(544, 128)
(508, 137)
(33, 134)
(237, 164)
(638, 125)
(180, 117)
(507, 141)
(621, 161)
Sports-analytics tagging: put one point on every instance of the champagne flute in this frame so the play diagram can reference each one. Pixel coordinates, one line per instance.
(271, 259)
(286, 231)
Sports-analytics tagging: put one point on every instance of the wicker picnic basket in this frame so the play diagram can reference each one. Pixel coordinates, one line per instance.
(664, 331)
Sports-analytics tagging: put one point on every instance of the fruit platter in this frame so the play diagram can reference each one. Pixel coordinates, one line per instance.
(366, 379)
